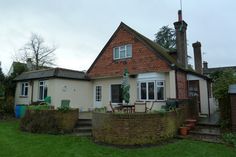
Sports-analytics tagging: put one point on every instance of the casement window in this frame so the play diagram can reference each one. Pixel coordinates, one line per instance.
(151, 90)
(116, 93)
(24, 89)
(43, 90)
(98, 93)
(122, 52)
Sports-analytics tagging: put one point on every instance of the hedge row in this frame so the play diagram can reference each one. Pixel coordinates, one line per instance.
(49, 121)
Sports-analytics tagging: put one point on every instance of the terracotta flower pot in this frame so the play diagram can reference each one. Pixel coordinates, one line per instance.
(183, 130)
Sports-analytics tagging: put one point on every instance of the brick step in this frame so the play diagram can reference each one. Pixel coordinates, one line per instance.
(206, 138)
(208, 124)
(84, 122)
(208, 131)
(83, 129)
(83, 134)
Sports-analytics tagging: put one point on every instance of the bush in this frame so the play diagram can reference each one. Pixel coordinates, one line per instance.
(39, 107)
(230, 138)
(49, 121)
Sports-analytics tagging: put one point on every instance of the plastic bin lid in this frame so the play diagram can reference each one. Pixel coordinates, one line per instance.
(232, 89)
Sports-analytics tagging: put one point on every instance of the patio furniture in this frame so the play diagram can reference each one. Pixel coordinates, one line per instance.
(140, 107)
(115, 107)
(128, 108)
(149, 108)
(65, 103)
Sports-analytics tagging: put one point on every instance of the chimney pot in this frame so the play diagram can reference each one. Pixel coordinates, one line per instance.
(205, 65)
(180, 15)
(29, 64)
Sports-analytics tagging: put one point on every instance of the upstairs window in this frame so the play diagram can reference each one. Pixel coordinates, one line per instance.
(24, 89)
(122, 52)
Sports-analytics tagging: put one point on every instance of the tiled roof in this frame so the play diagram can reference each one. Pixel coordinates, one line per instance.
(52, 73)
(207, 71)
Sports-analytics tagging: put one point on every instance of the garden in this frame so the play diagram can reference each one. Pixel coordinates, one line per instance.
(14, 142)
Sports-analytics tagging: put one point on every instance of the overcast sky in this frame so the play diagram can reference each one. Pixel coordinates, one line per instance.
(80, 28)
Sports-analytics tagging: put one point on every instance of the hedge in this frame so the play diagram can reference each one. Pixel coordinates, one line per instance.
(49, 121)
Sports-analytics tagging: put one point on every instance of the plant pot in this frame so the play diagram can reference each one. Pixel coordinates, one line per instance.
(189, 126)
(183, 130)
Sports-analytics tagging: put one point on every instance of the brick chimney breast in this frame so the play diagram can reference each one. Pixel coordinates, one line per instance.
(197, 57)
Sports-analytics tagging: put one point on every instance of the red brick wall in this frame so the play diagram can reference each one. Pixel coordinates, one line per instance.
(143, 59)
(182, 88)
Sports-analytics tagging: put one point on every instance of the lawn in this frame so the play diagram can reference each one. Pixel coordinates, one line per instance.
(14, 143)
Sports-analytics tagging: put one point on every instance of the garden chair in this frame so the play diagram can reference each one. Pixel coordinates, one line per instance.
(149, 108)
(140, 107)
(65, 103)
(115, 107)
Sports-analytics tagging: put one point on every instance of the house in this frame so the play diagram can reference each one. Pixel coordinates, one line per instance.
(154, 74)
(60, 84)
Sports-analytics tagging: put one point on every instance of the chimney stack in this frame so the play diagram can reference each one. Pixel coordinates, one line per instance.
(197, 57)
(29, 64)
(181, 40)
(205, 65)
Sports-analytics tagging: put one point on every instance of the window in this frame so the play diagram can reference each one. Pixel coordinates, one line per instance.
(24, 88)
(116, 93)
(98, 93)
(147, 90)
(160, 90)
(43, 90)
(121, 52)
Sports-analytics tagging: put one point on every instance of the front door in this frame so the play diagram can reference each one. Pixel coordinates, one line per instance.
(98, 96)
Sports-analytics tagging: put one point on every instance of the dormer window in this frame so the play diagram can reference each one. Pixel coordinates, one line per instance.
(122, 52)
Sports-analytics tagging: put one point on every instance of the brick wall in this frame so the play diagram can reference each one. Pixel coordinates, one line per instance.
(140, 128)
(143, 59)
(182, 88)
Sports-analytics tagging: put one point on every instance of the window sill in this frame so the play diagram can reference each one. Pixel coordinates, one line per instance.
(23, 96)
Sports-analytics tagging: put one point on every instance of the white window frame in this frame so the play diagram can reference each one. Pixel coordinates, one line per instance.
(163, 85)
(24, 86)
(120, 50)
(43, 86)
(155, 90)
(98, 93)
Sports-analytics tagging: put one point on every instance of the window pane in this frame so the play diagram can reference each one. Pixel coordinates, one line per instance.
(41, 93)
(129, 51)
(151, 90)
(22, 88)
(45, 92)
(26, 91)
(160, 93)
(116, 93)
(116, 53)
(143, 90)
(98, 93)
(122, 54)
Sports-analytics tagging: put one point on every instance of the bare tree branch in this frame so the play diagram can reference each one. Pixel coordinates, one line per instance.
(40, 54)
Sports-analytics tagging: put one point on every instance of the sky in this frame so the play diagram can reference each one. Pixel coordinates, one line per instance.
(81, 28)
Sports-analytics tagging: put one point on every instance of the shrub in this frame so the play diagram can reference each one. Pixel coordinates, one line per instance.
(230, 138)
(49, 121)
(39, 107)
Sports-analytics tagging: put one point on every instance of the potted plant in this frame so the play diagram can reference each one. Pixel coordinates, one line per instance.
(183, 130)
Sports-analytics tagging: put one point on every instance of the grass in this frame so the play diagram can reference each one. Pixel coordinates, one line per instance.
(14, 143)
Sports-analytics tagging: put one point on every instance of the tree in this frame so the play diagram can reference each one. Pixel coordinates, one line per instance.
(166, 37)
(222, 80)
(41, 55)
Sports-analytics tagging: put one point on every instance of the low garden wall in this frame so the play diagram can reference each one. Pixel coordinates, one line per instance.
(49, 121)
(140, 128)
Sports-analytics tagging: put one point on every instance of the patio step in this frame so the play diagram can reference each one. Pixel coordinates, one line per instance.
(83, 127)
(206, 132)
